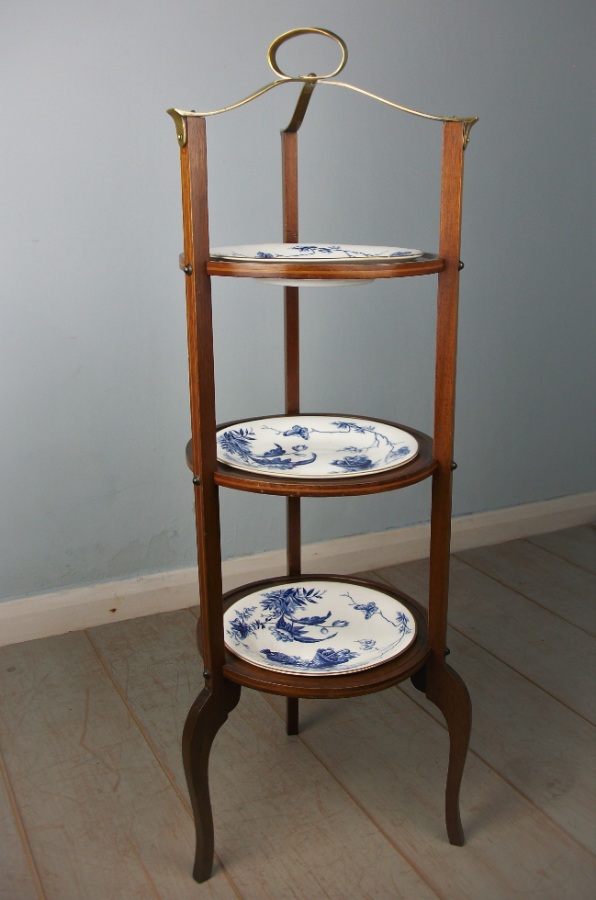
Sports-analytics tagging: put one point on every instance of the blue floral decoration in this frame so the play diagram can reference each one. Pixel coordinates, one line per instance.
(369, 609)
(323, 658)
(401, 622)
(353, 463)
(300, 430)
(310, 249)
(281, 608)
(241, 628)
(397, 453)
(353, 426)
(373, 450)
(367, 644)
(298, 614)
(237, 442)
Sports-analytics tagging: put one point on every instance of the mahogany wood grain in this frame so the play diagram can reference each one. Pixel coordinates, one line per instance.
(206, 716)
(444, 687)
(289, 165)
(289, 156)
(445, 370)
(426, 264)
(350, 684)
(193, 158)
(424, 659)
(210, 709)
(418, 469)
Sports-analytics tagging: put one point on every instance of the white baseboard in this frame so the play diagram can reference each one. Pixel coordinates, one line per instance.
(74, 609)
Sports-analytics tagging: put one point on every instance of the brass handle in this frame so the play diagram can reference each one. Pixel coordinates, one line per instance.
(296, 32)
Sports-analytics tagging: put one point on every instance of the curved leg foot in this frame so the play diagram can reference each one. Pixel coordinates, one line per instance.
(205, 718)
(448, 692)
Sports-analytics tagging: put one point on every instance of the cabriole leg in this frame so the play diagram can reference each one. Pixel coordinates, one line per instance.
(205, 718)
(448, 692)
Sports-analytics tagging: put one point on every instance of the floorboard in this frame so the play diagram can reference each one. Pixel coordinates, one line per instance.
(391, 756)
(535, 743)
(18, 876)
(282, 820)
(547, 650)
(98, 810)
(93, 803)
(576, 545)
(533, 572)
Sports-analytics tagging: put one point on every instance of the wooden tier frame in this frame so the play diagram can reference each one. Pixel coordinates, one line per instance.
(424, 661)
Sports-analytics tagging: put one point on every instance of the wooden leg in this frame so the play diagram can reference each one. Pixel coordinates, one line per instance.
(448, 692)
(205, 718)
(292, 715)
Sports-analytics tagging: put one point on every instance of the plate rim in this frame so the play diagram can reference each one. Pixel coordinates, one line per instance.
(307, 476)
(313, 581)
(399, 253)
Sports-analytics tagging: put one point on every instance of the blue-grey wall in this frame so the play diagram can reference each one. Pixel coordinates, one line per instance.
(94, 410)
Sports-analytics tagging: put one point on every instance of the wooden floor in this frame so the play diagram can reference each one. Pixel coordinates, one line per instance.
(92, 796)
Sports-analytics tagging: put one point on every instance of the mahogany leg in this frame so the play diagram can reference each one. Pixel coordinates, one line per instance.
(292, 715)
(205, 718)
(448, 692)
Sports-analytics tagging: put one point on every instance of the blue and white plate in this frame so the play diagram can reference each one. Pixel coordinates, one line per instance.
(315, 446)
(310, 252)
(314, 627)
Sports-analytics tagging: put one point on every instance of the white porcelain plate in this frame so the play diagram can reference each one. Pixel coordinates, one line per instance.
(310, 252)
(315, 446)
(314, 627)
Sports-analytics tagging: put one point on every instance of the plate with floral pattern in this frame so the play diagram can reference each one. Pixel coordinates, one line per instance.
(311, 252)
(315, 446)
(318, 627)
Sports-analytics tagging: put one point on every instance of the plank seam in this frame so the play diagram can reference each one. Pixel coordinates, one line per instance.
(515, 590)
(405, 856)
(22, 831)
(500, 774)
(148, 740)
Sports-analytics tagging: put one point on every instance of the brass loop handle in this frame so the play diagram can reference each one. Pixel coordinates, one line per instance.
(296, 32)
(309, 82)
